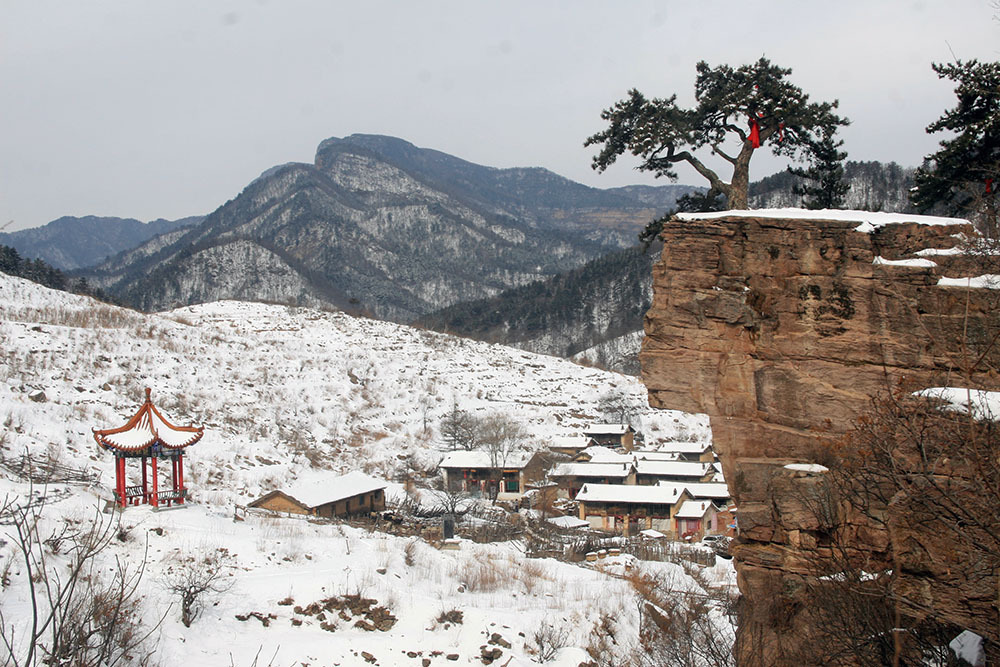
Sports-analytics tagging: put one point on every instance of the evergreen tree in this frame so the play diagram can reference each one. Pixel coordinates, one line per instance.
(963, 176)
(752, 104)
(825, 186)
(36, 270)
(458, 429)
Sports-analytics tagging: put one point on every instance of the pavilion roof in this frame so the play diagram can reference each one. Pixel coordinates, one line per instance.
(146, 428)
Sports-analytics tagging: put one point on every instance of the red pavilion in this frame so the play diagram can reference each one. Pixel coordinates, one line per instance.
(149, 436)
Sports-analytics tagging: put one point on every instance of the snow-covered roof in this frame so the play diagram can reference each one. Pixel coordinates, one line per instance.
(695, 469)
(868, 221)
(599, 454)
(655, 456)
(621, 493)
(146, 428)
(693, 509)
(569, 442)
(652, 534)
(684, 447)
(477, 458)
(318, 492)
(707, 490)
(607, 429)
(591, 470)
(568, 522)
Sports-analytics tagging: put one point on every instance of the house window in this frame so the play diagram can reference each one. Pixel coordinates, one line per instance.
(511, 486)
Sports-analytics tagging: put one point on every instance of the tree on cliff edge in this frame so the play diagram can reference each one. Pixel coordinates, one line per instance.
(753, 105)
(963, 176)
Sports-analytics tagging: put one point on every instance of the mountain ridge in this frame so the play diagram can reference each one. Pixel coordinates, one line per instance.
(389, 228)
(72, 242)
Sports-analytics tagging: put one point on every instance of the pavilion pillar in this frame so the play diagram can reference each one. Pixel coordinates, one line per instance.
(145, 482)
(173, 480)
(156, 483)
(180, 478)
(120, 479)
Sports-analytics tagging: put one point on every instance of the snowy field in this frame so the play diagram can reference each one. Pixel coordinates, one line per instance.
(288, 393)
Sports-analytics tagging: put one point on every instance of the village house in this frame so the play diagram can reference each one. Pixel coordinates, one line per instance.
(714, 491)
(572, 476)
(612, 435)
(570, 445)
(601, 454)
(652, 472)
(688, 451)
(695, 518)
(348, 495)
(629, 509)
(474, 473)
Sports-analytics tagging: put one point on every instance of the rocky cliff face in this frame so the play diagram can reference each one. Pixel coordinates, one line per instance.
(782, 329)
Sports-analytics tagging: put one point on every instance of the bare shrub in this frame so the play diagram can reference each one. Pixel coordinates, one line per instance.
(548, 639)
(678, 626)
(196, 579)
(410, 553)
(531, 575)
(80, 614)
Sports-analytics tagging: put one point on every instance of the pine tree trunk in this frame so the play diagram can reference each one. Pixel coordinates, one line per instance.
(739, 189)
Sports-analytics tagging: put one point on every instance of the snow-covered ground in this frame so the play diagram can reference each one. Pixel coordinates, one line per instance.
(288, 393)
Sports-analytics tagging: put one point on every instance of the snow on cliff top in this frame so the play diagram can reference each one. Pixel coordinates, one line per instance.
(868, 221)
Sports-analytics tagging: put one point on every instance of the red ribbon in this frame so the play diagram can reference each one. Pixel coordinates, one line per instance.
(781, 132)
(989, 186)
(754, 133)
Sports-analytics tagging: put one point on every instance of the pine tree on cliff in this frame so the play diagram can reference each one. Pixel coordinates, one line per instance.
(747, 107)
(825, 185)
(963, 176)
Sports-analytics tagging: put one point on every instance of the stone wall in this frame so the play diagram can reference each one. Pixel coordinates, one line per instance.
(782, 330)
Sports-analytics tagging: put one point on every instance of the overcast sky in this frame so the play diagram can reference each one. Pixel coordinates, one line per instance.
(169, 108)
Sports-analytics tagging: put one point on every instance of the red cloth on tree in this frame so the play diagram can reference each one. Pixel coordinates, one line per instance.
(754, 133)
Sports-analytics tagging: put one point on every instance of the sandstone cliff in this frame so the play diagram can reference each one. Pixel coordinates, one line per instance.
(782, 326)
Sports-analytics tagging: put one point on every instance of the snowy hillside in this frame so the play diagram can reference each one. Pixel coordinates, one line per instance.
(288, 393)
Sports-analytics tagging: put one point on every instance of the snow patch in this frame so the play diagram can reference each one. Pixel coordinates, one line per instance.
(988, 281)
(868, 221)
(806, 467)
(904, 262)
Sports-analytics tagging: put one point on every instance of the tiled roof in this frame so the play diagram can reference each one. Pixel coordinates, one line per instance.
(146, 428)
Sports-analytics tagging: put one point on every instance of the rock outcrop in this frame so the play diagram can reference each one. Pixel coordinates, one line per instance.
(782, 326)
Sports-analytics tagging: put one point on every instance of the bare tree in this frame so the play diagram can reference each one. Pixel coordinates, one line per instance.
(452, 501)
(79, 614)
(680, 626)
(616, 407)
(195, 578)
(499, 436)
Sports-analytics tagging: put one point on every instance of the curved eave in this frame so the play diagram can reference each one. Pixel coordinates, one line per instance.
(135, 449)
(148, 411)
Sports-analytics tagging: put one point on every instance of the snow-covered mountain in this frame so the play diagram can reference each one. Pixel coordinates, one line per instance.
(289, 393)
(378, 225)
(72, 243)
